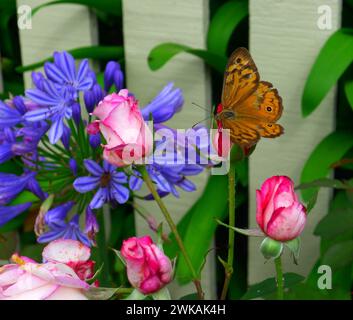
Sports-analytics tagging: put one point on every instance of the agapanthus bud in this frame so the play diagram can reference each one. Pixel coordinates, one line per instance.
(73, 166)
(109, 74)
(94, 140)
(65, 138)
(91, 225)
(76, 113)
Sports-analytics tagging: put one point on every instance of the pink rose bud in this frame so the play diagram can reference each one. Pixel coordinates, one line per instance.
(127, 135)
(279, 213)
(148, 268)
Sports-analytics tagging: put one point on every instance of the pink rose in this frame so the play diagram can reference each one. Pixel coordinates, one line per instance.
(128, 137)
(279, 213)
(54, 279)
(148, 268)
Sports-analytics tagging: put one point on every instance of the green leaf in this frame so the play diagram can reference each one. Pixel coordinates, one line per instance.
(162, 53)
(198, 226)
(339, 255)
(23, 197)
(331, 149)
(333, 59)
(100, 293)
(162, 294)
(223, 24)
(294, 247)
(135, 295)
(335, 223)
(92, 52)
(245, 232)
(269, 286)
(325, 183)
(107, 6)
(312, 202)
(348, 89)
(191, 296)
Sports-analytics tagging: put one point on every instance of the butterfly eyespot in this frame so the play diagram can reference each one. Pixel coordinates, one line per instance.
(269, 125)
(269, 109)
(238, 60)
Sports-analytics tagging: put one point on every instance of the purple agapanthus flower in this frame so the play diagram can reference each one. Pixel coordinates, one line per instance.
(18, 137)
(63, 72)
(107, 179)
(57, 104)
(113, 75)
(9, 212)
(166, 174)
(11, 185)
(60, 229)
(169, 101)
(57, 94)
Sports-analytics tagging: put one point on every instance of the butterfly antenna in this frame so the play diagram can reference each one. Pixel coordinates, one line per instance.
(200, 122)
(197, 105)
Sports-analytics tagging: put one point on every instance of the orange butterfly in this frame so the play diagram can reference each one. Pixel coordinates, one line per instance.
(249, 107)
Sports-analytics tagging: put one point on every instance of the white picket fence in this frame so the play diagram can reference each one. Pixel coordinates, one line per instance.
(284, 40)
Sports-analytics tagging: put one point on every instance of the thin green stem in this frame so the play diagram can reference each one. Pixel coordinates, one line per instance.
(102, 249)
(175, 231)
(279, 278)
(228, 269)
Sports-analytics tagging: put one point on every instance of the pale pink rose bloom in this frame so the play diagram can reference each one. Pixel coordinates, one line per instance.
(26, 279)
(127, 135)
(279, 213)
(148, 268)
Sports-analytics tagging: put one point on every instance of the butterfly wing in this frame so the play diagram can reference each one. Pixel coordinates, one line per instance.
(256, 104)
(241, 132)
(240, 78)
(264, 104)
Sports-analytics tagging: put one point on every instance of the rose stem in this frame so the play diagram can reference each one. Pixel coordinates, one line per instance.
(102, 249)
(279, 278)
(228, 269)
(174, 229)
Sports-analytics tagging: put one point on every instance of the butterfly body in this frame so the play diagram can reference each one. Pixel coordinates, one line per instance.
(249, 108)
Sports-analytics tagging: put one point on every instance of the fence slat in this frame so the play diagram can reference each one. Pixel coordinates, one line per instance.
(284, 41)
(149, 23)
(55, 28)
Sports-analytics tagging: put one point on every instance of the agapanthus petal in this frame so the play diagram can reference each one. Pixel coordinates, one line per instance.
(93, 167)
(53, 72)
(86, 184)
(56, 131)
(9, 116)
(40, 114)
(120, 193)
(10, 212)
(99, 198)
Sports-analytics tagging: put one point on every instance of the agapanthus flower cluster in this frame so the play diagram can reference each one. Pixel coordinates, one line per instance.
(84, 143)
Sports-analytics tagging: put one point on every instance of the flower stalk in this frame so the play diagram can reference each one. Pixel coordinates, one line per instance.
(102, 250)
(279, 278)
(174, 229)
(228, 267)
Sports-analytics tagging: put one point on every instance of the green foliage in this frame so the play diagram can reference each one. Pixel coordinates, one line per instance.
(269, 287)
(334, 58)
(162, 53)
(224, 22)
(93, 52)
(198, 225)
(331, 149)
(106, 6)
